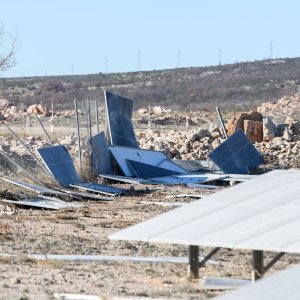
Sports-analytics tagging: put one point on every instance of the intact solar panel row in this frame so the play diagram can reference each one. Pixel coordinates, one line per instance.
(260, 214)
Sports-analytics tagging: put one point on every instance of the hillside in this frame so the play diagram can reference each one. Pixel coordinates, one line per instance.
(232, 86)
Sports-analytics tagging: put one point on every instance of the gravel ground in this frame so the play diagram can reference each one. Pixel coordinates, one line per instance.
(84, 231)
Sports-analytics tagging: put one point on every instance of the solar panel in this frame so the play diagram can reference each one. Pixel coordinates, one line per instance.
(155, 158)
(101, 160)
(60, 164)
(281, 285)
(146, 171)
(236, 155)
(260, 214)
(119, 112)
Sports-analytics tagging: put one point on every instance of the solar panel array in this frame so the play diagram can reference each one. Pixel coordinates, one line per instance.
(260, 214)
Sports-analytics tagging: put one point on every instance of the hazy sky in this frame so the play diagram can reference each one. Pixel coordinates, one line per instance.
(72, 36)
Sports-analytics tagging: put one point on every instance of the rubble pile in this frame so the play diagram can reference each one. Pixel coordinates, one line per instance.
(285, 106)
(282, 151)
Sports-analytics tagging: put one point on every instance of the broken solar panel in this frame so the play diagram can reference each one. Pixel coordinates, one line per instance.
(236, 155)
(146, 171)
(101, 160)
(118, 113)
(60, 164)
(154, 158)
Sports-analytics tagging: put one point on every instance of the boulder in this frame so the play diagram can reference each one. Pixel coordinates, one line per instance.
(142, 111)
(158, 110)
(269, 129)
(254, 130)
(237, 121)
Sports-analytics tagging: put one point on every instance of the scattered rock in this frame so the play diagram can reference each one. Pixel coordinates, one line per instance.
(254, 130)
(269, 129)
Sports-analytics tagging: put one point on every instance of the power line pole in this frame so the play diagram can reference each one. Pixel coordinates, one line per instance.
(178, 58)
(220, 56)
(106, 65)
(139, 61)
(271, 50)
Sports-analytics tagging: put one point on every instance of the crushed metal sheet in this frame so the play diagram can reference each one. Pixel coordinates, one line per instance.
(236, 155)
(101, 160)
(155, 158)
(44, 202)
(33, 187)
(60, 164)
(89, 196)
(222, 283)
(125, 179)
(146, 171)
(119, 113)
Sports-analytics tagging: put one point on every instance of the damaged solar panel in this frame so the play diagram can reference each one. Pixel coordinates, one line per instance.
(118, 114)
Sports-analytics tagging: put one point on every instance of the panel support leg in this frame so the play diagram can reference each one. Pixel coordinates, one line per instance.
(194, 262)
(258, 264)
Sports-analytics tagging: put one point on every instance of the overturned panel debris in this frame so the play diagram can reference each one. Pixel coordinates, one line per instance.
(36, 188)
(97, 187)
(118, 113)
(61, 166)
(101, 160)
(154, 158)
(43, 203)
(236, 155)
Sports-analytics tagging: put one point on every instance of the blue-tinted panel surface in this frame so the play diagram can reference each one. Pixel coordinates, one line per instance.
(119, 113)
(101, 159)
(146, 171)
(236, 155)
(60, 164)
(97, 187)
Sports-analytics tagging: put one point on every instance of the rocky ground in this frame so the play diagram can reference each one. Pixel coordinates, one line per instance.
(85, 230)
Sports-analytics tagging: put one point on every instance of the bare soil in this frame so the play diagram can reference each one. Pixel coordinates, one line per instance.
(85, 231)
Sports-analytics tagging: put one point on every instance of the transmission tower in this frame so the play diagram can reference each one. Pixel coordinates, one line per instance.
(220, 56)
(106, 65)
(271, 50)
(178, 58)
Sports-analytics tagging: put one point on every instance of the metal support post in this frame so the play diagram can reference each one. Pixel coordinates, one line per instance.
(258, 264)
(97, 116)
(222, 122)
(78, 134)
(89, 124)
(208, 256)
(194, 262)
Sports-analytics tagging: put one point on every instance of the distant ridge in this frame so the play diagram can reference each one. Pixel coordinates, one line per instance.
(228, 86)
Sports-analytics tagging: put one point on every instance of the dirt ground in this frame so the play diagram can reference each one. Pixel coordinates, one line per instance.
(85, 231)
